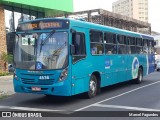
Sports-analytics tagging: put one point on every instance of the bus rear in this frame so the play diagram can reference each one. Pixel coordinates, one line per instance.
(41, 57)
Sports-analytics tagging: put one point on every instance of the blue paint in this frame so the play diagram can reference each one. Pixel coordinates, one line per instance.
(107, 63)
(151, 61)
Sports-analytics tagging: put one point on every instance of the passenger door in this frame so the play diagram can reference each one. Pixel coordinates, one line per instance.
(79, 63)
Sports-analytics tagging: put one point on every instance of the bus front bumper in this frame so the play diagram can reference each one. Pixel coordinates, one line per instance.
(58, 89)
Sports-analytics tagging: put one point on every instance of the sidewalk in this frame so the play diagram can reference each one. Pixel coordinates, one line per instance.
(6, 85)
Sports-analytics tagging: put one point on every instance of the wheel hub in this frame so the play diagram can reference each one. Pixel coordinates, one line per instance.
(92, 86)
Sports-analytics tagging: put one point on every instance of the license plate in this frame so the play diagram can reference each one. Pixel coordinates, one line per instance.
(36, 89)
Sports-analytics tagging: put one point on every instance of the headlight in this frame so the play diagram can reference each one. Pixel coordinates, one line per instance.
(63, 75)
(15, 76)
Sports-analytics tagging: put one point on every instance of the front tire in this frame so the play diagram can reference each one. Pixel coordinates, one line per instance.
(139, 79)
(93, 87)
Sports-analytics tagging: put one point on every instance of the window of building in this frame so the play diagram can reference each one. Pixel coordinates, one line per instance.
(26, 15)
(17, 19)
(9, 21)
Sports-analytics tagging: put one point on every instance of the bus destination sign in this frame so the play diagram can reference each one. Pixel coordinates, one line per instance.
(40, 25)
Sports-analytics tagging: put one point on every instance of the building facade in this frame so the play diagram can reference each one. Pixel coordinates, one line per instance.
(157, 47)
(137, 9)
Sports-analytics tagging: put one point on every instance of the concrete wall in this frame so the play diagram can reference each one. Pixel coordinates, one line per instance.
(3, 46)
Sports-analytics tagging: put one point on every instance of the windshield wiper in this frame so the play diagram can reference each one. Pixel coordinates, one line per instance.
(46, 40)
(58, 50)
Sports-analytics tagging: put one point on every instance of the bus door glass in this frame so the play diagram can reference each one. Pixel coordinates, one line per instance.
(78, 61)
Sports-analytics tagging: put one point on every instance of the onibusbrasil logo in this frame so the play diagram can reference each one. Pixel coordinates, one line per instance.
(135, 66)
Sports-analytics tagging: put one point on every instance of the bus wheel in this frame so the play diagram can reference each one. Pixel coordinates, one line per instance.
(139, 79)
(93, 86)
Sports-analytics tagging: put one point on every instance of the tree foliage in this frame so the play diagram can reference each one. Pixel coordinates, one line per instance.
(6, 58)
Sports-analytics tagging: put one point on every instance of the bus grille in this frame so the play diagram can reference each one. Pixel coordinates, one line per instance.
(37, 82)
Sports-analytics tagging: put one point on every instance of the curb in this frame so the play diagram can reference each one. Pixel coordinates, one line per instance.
(6, 77)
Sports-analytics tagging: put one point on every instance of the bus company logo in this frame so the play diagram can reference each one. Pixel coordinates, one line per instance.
(135, 66)
(107, 63)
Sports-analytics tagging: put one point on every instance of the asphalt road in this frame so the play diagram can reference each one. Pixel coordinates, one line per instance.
(121, 97)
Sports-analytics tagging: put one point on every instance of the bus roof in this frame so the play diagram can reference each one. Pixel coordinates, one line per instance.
(89, 25)
(147, 37)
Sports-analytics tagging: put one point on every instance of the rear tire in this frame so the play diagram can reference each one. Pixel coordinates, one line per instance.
(139, 79)
(93, 87)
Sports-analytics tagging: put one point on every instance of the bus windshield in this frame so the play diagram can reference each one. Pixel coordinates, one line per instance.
(41, 51)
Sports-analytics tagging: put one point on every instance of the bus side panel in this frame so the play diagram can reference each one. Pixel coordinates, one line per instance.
(128, 64)
(132, 68)
(151, 61)
(83, 69)
(110, 70)
(142, 59)
(147, 61)
(121, 68)
(80, 77)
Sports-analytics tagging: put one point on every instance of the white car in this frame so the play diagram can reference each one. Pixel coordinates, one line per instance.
(158, 65)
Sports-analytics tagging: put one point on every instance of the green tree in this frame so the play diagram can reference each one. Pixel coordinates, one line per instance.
(6, 58)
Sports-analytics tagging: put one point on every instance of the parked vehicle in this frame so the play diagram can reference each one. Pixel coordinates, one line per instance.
(158, 65)
(10, 68)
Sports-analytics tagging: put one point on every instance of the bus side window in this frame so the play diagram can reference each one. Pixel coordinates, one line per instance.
(80, 46)
(96, 42)
(128, 45)
(110, 43)
(139, 48)
(121, 45)
(151, 47)
(145, 46)
(132, 44)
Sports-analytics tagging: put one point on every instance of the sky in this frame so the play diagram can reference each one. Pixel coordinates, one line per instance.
(81, 5)
(154, 9)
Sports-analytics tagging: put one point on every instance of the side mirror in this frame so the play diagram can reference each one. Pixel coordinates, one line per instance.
(72, 31)
(72, 49)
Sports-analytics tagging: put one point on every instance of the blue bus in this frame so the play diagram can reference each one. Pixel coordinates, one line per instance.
(65, 57)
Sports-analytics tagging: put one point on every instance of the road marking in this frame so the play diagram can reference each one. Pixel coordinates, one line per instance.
(28, 108)
(116, 96)
(126, 107)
